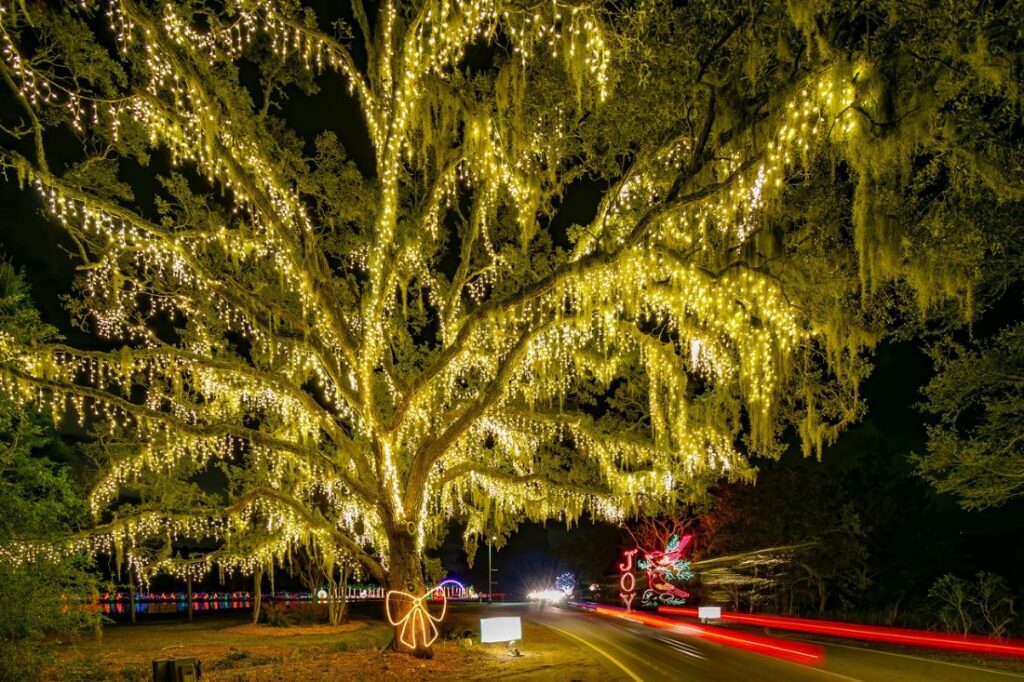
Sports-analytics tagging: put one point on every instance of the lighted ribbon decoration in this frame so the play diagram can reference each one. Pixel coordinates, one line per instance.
(417, 620)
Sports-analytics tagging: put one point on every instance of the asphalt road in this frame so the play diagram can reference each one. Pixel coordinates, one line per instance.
(634, 652)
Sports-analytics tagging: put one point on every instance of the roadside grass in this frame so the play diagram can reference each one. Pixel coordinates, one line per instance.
(126, 652)
(231, 650)
(546, 656)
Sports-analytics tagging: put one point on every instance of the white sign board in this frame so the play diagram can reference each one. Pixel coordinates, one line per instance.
(501, 629)
(709, 612)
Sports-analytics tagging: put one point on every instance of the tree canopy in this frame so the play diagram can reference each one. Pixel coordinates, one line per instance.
(310, 351)
(976, 450)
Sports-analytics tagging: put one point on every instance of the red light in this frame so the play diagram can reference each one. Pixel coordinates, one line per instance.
(797, 652)
(875, 633)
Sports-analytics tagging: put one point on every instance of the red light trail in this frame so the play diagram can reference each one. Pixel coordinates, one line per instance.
(796, 652)
(874, 633)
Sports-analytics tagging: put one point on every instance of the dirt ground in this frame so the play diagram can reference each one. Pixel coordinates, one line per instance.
(233, 651)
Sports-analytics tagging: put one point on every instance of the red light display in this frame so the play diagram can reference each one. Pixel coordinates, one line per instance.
(627, 579)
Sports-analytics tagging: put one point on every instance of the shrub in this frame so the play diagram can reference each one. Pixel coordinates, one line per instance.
(283, 615)
(277, 615)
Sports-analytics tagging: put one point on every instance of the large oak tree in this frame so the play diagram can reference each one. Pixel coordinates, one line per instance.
(310, 352)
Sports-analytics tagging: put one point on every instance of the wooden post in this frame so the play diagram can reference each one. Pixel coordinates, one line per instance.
(188, 595)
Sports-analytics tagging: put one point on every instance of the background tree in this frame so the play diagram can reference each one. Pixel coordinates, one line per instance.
(811, 516)
(319, 571)
(39, 502)
(365, 354)
(976, 450)
(984, 606)
(652, 533)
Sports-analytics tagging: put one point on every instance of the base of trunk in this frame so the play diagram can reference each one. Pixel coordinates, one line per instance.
(414, 632)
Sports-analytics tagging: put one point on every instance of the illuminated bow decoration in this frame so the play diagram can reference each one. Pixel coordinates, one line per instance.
(417, 620)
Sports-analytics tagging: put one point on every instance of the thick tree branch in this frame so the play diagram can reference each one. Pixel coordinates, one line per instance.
(313, 455)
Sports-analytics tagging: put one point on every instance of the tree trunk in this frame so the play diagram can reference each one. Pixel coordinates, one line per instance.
(405, 575)
(97, 622)
(753, 591)
(337, 604)
(257, 594)
(131, 597)
(188, 596)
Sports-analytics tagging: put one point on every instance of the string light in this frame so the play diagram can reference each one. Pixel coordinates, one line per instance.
(665, 568)
(416, 625)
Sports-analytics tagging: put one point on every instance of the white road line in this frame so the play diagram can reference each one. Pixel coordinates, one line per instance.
(835, 674)
(916, 658)
(599, 650)
(623, 648)
(681, 647)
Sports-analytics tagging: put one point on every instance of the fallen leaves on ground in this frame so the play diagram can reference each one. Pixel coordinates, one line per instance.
(357, 651)
(262, 630)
